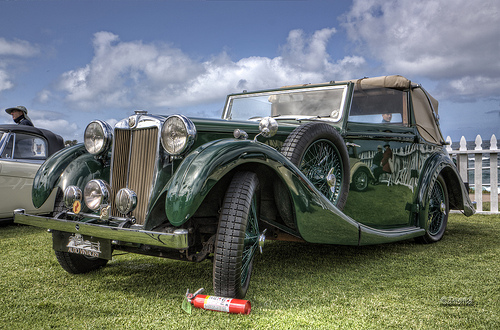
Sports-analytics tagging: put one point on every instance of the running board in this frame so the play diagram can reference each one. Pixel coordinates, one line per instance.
(368, 235)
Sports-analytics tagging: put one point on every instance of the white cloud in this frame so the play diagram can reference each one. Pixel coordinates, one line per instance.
(10, 51)
(17, 48)
(43, 96)
(448, 39)
(54, 122)
(471, 88)
(5, 82)
(137, 75)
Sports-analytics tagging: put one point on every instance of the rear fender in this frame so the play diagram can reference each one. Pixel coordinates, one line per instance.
(459, 197)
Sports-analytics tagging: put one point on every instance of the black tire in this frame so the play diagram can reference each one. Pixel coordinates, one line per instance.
(79, 264)
(360, 180)
(438, 209)
(237, 237)
(312, 144)
(71, 262)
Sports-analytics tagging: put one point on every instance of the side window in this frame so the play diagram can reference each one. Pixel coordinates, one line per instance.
(379, 106)
(7, 151)
(30, 147)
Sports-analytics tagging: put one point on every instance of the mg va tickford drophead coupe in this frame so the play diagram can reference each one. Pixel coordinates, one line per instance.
(277, 165)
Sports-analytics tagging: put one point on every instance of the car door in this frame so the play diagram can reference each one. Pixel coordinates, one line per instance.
(386, 144)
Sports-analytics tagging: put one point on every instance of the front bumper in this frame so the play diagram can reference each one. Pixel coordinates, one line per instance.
(178, 239)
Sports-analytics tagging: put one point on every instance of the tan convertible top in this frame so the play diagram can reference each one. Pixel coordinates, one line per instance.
(425, 107)
(423, 103)
(396, 82)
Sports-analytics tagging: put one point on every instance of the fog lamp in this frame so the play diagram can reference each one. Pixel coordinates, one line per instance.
(71, 195)
(96, 194)
(126, 200)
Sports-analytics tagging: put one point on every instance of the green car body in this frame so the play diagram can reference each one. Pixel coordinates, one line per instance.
(245, 179)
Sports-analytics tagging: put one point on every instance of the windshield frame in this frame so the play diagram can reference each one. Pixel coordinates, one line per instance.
(227, 112)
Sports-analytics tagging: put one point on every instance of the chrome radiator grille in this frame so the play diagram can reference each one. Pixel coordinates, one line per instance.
(134, 166)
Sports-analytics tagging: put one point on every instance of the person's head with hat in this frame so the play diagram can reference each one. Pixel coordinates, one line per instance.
(19, 115)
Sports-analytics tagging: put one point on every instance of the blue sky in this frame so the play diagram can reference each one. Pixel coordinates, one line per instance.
(71, 61)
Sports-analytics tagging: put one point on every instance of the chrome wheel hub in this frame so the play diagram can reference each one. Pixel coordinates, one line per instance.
(331, 179)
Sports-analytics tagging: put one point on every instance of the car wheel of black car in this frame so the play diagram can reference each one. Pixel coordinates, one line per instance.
(71, 262)
(319, 151)
(237, 237)
(360, 180)
(437, 216)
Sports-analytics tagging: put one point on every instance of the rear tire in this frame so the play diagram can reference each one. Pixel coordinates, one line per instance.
(438, 207)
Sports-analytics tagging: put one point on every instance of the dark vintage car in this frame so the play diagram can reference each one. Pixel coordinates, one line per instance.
(22, 150)
(276, 166)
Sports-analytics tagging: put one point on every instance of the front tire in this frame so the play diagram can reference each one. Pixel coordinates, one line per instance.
(437, 214)
(237, 237)
(71, 262)
(79, 264)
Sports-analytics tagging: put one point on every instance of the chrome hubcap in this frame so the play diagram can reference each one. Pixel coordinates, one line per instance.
(331, 179)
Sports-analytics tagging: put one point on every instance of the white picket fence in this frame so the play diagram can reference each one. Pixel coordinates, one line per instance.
(470, 166)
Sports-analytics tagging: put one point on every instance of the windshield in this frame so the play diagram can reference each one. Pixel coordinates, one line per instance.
(325, 102)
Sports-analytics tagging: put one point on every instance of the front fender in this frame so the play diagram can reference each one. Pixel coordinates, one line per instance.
(69, 166)
(318, 220)
(204, 167)
(48, 174)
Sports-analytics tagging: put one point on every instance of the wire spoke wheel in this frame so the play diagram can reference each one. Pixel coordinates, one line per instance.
(436, 218)
(251, 241)
(237, 236)
(319, 151)
(322, 165)
(360, 180)
(437, 212)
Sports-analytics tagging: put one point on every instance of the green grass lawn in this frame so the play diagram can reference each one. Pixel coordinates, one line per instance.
(452, 284)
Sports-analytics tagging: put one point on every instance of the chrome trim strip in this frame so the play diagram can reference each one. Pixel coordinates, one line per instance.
(176, 240)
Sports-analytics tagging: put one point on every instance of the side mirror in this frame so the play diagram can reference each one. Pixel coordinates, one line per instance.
(268, 127)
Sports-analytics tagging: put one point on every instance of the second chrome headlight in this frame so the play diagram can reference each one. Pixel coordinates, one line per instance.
(177, 134)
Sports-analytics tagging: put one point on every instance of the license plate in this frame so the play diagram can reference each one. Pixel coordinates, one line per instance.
(88, 246)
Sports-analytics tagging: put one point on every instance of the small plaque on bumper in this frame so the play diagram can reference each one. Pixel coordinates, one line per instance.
(79, 244)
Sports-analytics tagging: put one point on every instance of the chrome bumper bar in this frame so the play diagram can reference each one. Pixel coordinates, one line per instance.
(176, 240)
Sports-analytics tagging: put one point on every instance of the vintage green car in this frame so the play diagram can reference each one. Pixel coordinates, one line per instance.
(276, 166)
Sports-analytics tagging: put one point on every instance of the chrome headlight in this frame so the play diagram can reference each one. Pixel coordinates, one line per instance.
(71, 195)
(177, 134)
(98, 137)
(126, 201)
(96, 194)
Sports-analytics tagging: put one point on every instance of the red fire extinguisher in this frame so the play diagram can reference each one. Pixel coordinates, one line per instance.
(220, 304)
